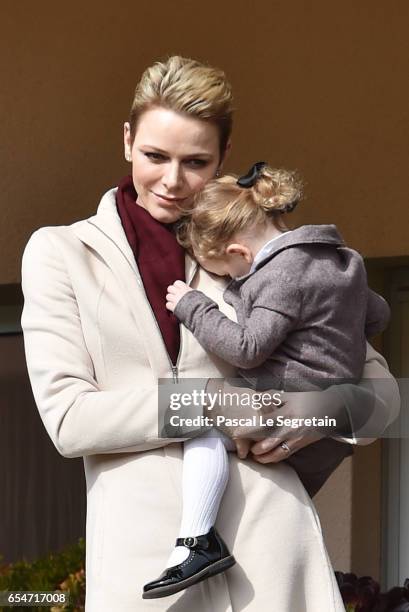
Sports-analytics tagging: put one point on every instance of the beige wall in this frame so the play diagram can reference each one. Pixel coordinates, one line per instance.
(349, 507)
(320, 86)
(334, 505)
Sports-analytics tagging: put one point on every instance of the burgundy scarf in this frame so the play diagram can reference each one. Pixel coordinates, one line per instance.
(160, 259)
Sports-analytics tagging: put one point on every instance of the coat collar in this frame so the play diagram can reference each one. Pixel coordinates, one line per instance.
(103, 233)
(107, 224)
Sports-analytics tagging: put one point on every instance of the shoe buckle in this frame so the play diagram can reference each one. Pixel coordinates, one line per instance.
(189, 542)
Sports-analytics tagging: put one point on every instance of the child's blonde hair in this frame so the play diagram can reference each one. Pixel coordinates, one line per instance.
(224, 209)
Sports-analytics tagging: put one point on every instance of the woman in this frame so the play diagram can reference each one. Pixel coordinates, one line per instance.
(98, 337)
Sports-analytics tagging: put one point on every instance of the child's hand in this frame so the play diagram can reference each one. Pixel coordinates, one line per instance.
(175, 293)
(242, 447)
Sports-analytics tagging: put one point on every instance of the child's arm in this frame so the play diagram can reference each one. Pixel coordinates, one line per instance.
(273, 315)
(377, 314)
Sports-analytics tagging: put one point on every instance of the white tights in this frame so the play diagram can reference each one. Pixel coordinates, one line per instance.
(205, 475)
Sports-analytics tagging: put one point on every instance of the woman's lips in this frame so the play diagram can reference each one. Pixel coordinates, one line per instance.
(167, 199)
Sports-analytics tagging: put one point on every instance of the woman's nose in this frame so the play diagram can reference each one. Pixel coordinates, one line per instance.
(173, 176)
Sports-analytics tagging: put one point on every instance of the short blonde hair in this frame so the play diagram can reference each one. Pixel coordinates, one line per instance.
(223, 209)
(186, 86)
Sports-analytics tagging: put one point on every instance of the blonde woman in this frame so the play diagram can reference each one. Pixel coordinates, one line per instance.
(98, 337)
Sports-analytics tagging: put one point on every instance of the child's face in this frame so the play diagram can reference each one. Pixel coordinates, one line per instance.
(234, 265)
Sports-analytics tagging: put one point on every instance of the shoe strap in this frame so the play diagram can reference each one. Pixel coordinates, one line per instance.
(195, 543)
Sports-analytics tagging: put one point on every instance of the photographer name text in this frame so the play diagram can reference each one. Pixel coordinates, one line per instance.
(256, 420)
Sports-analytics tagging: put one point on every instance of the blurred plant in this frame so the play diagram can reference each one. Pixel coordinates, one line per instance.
(75, 586)
(64, 571)
(57, 571)
(363, 595)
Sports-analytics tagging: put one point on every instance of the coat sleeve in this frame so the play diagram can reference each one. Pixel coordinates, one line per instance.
(272, 316)
(80, 418)
(374, 403)
(377, 314)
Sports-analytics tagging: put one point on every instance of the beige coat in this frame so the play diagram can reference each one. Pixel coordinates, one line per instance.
(94, 354)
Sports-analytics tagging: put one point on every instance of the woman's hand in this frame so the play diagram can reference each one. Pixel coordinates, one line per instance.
(175, 293)
(296, 407)
(235, 417)
(300, 406)
(242, 446)
(273, 450)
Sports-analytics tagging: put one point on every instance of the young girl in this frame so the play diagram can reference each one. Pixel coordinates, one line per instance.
(304, 310)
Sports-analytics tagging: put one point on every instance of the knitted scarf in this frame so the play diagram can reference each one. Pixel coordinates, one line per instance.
(159, 257)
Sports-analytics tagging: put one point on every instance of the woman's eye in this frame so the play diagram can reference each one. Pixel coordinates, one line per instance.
(196, 163)
(156, 157)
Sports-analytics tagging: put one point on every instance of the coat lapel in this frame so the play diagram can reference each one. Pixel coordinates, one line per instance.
(105, 235)
(191, 267)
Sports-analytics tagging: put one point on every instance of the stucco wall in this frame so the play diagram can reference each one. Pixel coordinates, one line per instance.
(319, 86)
(334, 505)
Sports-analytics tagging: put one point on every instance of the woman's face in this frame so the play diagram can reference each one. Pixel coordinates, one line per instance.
(173, 156)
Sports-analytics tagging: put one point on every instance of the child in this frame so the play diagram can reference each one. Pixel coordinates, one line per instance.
(303, 310)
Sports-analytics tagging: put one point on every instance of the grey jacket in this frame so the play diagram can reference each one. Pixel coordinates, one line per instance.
(303, 314)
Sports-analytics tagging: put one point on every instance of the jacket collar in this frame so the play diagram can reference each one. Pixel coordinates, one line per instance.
(304, 235)
(307, 234)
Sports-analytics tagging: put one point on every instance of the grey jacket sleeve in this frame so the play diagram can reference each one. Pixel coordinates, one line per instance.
(248, 345)
(377, 314)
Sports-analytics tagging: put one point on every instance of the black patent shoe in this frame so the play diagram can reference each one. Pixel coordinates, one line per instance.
(208, 556)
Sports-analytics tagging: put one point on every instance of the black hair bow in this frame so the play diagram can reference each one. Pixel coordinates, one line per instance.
(248, 180)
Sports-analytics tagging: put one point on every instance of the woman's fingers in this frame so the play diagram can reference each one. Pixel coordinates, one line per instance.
(242, 447)
(273, 450)
(264, 446)
(274, 456)
(279, 452)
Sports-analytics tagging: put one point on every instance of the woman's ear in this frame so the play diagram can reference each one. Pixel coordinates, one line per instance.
(227, 151)
(241, 250)
(225, 157)
(127, 142)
